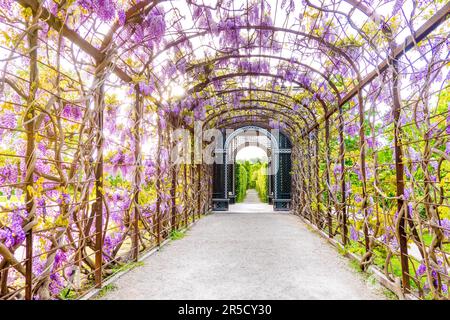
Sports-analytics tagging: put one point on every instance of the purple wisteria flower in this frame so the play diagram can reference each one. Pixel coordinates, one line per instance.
(60, 258)
(334, 188)
(415, 157)
(164, 160)
(42, 166)
(337, 169)
(410, 209)
(408, 173)
(407, 193)
(397, 6)
(200, 113)
(7, 121)
(72, 112)
(305, 80)
(348, 188)
(421, 270)
(63, 199)
(8, 174)
(13, 233)
(162, 123)
(447, 130)
(289, 7)
(389, 238)
(121, 17)
(105, 9)
(445, 224)
(351, 129)
(146, 88)
(6, 4)
(121, 161)
(354, 234)
(110, 242)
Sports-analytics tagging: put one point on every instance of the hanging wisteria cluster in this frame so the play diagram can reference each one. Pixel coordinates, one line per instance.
(92, 92)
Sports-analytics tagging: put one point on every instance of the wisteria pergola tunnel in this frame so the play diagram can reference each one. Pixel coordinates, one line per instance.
(94, 93)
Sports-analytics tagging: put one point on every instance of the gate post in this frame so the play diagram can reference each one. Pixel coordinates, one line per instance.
(219, 198)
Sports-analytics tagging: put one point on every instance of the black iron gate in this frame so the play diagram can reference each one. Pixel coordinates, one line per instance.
(279, 183)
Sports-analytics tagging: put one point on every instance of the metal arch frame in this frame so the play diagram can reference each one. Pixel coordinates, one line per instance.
(274, 102)
(236, 147)
(255, 90)
(146, 5)
(278, 102)
(229, 139)
(259, 123)
(239, 146)
(274, 156)
(290, 123)
(202, 85)
(248, 128)
(252, 107)
(132, 13)
(267, 56)
(201, 33)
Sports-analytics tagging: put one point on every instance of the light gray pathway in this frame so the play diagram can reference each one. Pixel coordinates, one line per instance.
(245, 255)
(251, 204)
(252, 197)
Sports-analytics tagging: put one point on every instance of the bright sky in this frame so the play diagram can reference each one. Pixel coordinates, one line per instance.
(251, 152)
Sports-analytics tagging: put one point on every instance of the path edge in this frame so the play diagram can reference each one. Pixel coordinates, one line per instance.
(375, 272)
(94, 292)
(371, 270)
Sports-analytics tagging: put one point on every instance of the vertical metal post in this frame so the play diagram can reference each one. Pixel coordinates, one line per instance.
(30, 156)
(362, 158)
(185, 194)
(158, 183)
(327, 176)
(192, 178)
(199, 188)
(138, 113)
(173, 186)
(302, 198)
(316, 172)
(98, 205)
(399, 172)
(344, 227)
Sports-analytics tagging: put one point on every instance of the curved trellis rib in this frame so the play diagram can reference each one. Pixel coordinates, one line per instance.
(436, 20)
(201, 86)
(285, 107)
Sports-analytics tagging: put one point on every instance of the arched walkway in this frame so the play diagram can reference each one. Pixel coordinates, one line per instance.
(246, 255)
(112, 114)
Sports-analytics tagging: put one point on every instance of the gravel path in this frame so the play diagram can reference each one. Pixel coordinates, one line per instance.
(246, 255)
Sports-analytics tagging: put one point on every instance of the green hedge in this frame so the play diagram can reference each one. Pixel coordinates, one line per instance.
(251, 176)
(241, 182)
(261, 182)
